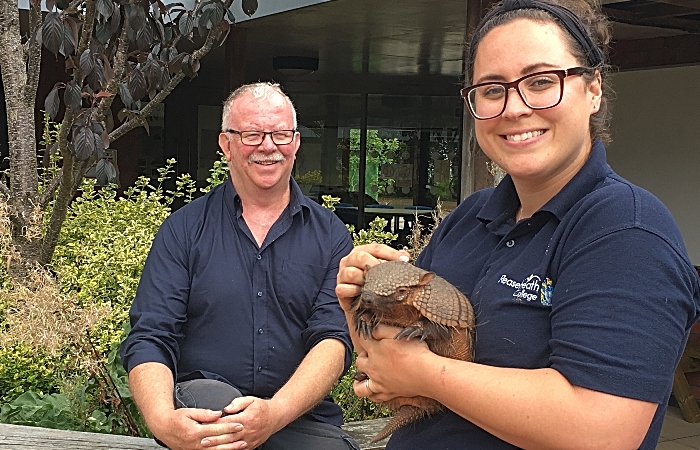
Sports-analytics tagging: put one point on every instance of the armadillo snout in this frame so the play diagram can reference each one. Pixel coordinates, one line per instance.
(369, 299)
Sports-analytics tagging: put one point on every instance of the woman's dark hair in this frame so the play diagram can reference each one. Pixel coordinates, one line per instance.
(595, 24)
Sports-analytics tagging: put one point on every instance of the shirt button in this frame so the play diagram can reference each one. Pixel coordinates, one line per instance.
(259, 293)
(259, 257)
(260, 331)
(510, 243)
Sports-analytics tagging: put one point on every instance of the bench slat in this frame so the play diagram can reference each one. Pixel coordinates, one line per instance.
(37, 438)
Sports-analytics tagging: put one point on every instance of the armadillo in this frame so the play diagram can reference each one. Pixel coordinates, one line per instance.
(425, 306)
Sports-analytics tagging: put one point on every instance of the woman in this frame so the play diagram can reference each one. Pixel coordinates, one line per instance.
(582, 289)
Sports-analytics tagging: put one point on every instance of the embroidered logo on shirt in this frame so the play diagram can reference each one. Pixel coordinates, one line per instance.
(531, 289)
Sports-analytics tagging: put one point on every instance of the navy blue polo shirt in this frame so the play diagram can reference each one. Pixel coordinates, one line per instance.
(596, 284)
(212, 304)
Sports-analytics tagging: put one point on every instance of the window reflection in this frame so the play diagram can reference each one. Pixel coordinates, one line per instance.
(413, 149)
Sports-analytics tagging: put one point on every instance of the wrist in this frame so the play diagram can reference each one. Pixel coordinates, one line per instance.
(428, 373)
(279, 413)
(158, 423)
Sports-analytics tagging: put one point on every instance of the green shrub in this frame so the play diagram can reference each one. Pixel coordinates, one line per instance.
(98, 262)
(104, 243)
(99, 403)
(23, 368)
(374, 234)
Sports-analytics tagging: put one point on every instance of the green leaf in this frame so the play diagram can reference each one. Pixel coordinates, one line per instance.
(105, 8)
(103, 32)
(68, 44)
(126, 97)
(144, 37)
(115, 21)
(230, 16)
(87, 64)
(28, 399)
(137, 84)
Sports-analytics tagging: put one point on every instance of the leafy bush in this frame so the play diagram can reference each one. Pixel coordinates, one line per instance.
(98, 262)
(85, 404)
(22, 368)
(105, 241)
(375, 233)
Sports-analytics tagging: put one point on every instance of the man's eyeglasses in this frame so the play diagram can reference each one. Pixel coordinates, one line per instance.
(279, 137)
(540, 90)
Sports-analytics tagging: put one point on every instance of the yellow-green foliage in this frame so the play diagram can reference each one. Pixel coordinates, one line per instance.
(311, 177)
(356, 408)
(23, 368)
(103, 247)
(60, 370)
(217, 174)
(374, 234)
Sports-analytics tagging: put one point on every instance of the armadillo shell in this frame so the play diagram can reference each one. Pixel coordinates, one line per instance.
(443, 303)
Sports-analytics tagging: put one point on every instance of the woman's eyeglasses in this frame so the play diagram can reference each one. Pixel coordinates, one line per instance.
(540, 90)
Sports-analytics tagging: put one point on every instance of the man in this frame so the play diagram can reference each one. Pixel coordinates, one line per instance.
(239, 287)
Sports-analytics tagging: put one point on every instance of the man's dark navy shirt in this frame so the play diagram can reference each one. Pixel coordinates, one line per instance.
(596, 285)
(213, 304)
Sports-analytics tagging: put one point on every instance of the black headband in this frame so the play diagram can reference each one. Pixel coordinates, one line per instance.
(568, 19)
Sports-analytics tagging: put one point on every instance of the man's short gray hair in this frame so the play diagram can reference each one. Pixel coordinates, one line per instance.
(259, 89)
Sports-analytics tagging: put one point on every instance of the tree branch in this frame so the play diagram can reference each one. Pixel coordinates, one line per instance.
(4, 190)
(120, 59)
(146, 111)
(72, 175)
(72, 7)
(51, 187)
(198, 54)
(88, 25)
(62, 138)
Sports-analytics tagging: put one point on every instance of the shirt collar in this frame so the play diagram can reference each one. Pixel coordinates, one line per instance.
(298, 202)
(503, 201)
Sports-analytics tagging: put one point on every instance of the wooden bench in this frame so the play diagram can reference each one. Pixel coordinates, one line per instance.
(36, 438)
(689, 363)
(364, 430)
(683, 393)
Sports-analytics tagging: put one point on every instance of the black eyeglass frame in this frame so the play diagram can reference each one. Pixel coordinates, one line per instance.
(264, 133)
(561, 73)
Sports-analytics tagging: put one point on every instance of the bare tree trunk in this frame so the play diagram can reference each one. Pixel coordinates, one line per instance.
(23, 200)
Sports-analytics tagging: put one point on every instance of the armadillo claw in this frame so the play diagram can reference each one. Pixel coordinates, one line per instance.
(364, 329)
(359, 376)
(410, 333)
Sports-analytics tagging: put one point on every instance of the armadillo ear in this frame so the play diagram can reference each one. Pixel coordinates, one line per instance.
(426, 278)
